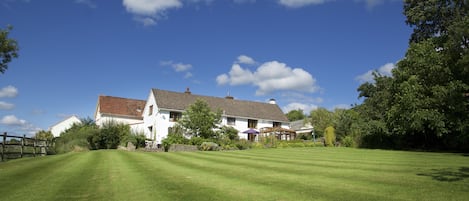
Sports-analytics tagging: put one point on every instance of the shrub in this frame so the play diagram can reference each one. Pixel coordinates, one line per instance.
(348, 141)
(196, 141)
(110, 136)
(209, 146)
(329, 135)
(75, 136)
(243, 144)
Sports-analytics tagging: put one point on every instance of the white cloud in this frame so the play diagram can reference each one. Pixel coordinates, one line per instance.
(11, 120)
(6, 106)
(240, 76)
(270, 76)
(295, 106)
(146, 21)
(300, 3)
(19, 124)
(88, 3)
(179, 67)
(148, 11)
(223, 79)
(150, 7)
(385, 70)
(243, 59)
(188, 75)
(342, 106)
(8, 92)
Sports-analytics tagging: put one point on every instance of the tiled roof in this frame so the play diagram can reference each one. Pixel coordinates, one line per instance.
(231, 107)
(121, 106)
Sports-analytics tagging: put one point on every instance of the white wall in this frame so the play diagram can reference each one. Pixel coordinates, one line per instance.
(60, 127)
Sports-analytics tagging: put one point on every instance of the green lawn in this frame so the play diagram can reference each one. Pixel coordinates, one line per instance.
(261, 174)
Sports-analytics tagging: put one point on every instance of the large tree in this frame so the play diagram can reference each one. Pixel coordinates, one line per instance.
(294, 115)
(199, 120)
(8, 49)
(425, 103)
(321, 118)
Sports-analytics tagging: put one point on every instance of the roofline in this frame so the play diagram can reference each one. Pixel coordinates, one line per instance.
(63, 119)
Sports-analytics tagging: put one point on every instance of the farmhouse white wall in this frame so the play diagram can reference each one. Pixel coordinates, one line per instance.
(63, 125)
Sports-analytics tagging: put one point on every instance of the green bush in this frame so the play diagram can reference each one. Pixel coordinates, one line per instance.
(348, 141)
(173, 138)
(243, 144)
(75, 138)
(196, 141)
(329, 135)
(209, 146)
(110, 136)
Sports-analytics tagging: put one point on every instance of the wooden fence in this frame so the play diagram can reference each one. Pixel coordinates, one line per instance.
(19, 146)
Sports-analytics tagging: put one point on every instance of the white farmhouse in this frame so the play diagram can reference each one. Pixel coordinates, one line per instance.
(160, 112)
(63, 125)
(163, 109)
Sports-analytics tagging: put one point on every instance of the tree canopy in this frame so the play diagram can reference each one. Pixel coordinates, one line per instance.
(424, 104)
(8, 49)
(199, 120)
(295, 115)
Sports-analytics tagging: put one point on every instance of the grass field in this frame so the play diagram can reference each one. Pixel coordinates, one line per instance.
(261, 174)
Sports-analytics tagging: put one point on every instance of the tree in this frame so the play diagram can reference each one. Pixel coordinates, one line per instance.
(199, 120)
(229, 133)
(329, 136)
(425, 103)
(8, 49)
(296, 115)
(44, 135)
(321, 118)
(109, 136)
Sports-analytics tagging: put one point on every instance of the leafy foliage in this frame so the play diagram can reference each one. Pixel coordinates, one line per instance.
(321, 118)
(75, 138)
(329, 136)
(44, 135)
(295, 115)
(199, 120)
(8, 49)
(110, 135)
(424, 105)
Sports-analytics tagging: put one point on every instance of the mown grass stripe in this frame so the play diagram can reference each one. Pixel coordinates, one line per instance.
(281, 179)
(267, 174)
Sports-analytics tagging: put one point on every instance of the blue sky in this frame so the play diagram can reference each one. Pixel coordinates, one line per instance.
(304, 53)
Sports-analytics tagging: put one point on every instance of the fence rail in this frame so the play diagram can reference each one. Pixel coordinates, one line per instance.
(19, 146)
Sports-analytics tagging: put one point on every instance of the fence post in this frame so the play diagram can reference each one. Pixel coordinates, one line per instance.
(34, 147)
(22, 146)
(3, 145)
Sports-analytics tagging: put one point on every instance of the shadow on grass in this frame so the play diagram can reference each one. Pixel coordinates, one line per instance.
(447, 174)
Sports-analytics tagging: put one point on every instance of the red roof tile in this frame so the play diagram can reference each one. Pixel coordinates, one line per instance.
(121, 106)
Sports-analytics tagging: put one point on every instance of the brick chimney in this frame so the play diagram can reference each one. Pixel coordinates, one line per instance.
(188, 91)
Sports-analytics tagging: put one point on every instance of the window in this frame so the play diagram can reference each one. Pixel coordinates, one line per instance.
(174, 116)
(231, 121)
(276, 124)
(150, 128)
(150, 110)
(252, 123)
